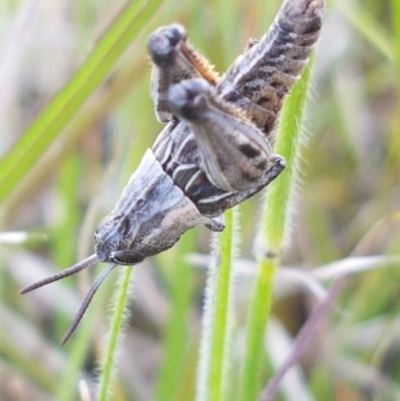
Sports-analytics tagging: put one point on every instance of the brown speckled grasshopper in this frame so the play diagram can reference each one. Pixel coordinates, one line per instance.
(214, 152)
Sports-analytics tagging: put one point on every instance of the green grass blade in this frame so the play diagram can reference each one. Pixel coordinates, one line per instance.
(114, 334)
(290, 137)
(273, 234)
(181, 287)
(214, 353)
(219, 357)
(65, 104)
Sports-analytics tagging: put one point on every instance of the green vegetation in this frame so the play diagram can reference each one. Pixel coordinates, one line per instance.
(176, 329)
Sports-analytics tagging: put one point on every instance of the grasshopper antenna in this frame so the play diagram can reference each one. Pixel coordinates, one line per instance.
(85, 263)
(86, 303)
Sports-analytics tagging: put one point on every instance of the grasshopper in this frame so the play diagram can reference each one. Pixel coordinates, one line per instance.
(214, 151)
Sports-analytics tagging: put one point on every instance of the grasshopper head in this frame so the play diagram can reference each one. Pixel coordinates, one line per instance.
(115, 242)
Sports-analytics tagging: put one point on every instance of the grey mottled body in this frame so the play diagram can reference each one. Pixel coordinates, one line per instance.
(213, 154)
(258, 80)
(149, 217)
(256, 83)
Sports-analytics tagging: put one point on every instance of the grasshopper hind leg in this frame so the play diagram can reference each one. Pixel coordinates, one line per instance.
(217, 203)
(174, 59)
(234, 153)
(278, 164)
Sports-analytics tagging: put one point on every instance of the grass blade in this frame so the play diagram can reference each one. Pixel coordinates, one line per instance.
(214, 353)
(181, 289)
(273, 234)
(98, 64)
(114, 334)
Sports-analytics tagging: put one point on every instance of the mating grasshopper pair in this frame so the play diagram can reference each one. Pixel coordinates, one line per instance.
(214, 152)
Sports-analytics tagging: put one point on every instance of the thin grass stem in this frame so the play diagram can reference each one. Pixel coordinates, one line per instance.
(273, 234)
(117, 322)
(214, 353)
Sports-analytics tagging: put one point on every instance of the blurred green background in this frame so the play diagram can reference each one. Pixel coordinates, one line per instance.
(347, 207)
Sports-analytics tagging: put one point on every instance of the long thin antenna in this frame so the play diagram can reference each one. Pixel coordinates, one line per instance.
(91, 260)
(86, 302)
